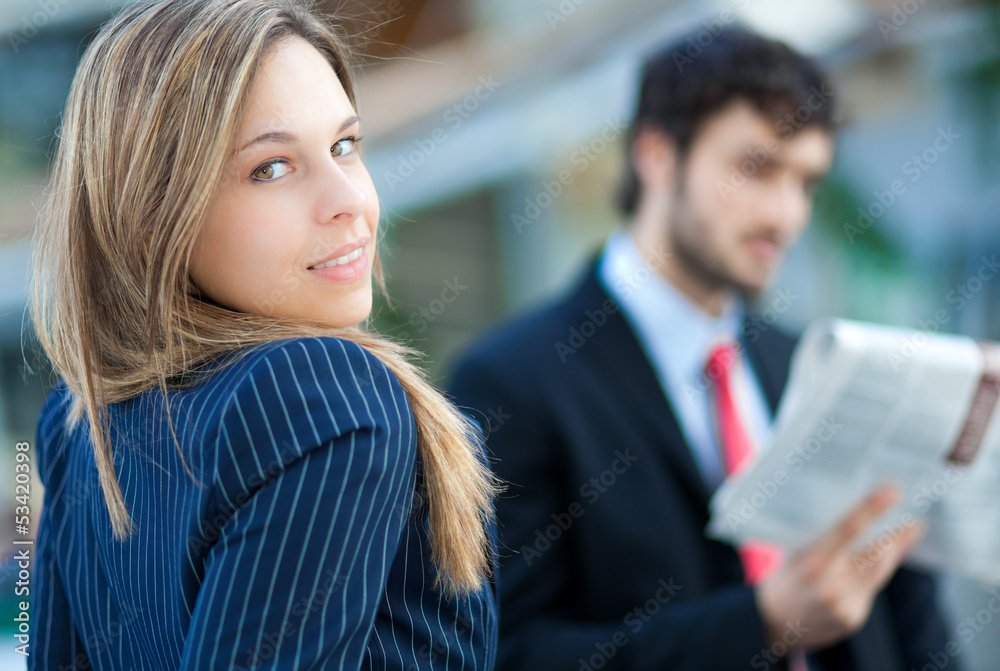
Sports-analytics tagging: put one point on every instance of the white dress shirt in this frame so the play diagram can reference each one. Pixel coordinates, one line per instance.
(677, 337)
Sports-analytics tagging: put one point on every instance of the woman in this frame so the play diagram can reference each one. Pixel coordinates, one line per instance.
(236, 474)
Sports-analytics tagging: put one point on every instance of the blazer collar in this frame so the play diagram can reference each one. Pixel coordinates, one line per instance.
(616, 354)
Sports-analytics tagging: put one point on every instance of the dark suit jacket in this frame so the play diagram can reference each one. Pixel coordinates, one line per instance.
(606, 563)
(303, 547)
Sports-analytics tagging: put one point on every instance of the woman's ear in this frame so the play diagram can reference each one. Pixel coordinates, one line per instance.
(654, 158)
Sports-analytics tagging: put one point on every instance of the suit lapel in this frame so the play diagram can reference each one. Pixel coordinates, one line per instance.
(765, 370)
(770, 355)
(617, 357)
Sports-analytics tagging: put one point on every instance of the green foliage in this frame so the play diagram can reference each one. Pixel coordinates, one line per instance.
(836, 215)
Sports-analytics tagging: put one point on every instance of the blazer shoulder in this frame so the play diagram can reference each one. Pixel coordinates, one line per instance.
(337, 365)
(529, 340)
(291, 397)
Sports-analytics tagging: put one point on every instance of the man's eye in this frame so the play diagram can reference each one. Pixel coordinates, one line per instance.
(270, 171)
(345, 146)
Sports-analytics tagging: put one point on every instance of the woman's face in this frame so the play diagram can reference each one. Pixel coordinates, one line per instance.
(291, 231)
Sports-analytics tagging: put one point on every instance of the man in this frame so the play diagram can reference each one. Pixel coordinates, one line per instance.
(613, 436)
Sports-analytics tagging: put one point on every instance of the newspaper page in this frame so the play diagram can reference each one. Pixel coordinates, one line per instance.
(868, 404)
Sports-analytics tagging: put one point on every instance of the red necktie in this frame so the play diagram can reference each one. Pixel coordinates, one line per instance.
(759, 559)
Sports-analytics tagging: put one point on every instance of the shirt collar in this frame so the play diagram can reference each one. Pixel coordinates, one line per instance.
(673, 329)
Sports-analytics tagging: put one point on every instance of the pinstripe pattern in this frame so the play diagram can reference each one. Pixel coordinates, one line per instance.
(303, 546)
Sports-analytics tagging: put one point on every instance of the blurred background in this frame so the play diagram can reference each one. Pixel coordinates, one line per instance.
(473, 108)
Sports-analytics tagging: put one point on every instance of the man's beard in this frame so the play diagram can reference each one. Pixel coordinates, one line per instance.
(692, 251)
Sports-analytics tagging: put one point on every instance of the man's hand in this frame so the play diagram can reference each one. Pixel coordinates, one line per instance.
(821, 591)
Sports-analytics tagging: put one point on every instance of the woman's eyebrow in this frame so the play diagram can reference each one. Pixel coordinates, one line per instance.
(283, 137)
(348, 123)
(277, 137)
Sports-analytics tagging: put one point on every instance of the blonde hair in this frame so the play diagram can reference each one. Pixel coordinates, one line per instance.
(150, 124)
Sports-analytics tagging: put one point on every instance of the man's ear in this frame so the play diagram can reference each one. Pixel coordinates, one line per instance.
(654, 158)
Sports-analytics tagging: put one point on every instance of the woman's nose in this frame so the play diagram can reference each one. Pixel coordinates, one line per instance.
(340, 195)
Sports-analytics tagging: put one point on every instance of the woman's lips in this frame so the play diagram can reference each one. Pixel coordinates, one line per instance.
(345, 272)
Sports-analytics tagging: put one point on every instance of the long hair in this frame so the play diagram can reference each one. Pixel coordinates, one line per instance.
(150, 124)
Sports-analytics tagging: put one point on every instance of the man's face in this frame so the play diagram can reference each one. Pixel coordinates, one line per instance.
(743, 195)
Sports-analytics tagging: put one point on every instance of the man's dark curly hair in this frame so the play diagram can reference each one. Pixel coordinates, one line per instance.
(687, 82)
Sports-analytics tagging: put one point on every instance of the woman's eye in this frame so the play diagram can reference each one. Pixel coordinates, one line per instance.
(345, 146)
(270, 171)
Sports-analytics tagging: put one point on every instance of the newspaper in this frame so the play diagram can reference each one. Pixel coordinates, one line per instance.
(868, 404)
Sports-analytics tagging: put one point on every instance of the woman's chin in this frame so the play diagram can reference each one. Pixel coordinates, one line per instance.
(352, 312)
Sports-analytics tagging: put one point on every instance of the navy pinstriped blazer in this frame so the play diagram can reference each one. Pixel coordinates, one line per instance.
(304, 547)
